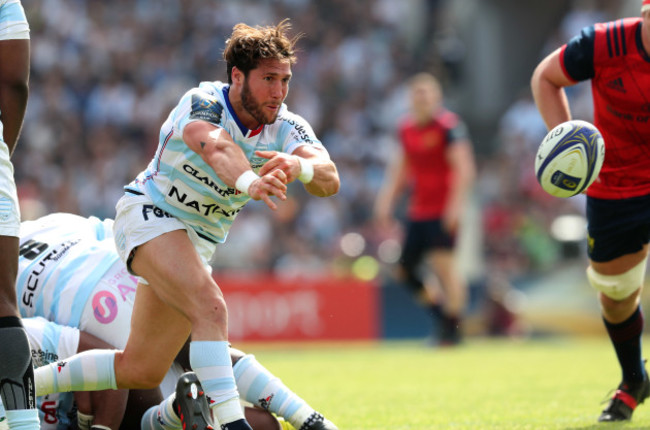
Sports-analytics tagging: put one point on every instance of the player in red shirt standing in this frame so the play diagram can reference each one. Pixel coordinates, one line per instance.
(615, 57)
(437, 161)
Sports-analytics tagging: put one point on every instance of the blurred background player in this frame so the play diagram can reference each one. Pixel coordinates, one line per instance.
(436, 160)
(615, 56)
(16, 372)
(70, 273)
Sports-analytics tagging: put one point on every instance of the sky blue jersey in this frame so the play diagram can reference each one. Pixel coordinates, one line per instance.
(62, 257)
(179, 182)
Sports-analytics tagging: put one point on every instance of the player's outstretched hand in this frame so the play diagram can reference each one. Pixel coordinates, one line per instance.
(288, 163)
(269, 184)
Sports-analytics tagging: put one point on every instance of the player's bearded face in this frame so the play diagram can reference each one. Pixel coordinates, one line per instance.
(254, 107)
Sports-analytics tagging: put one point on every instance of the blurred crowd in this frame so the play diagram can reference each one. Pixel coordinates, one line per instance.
(105, 75)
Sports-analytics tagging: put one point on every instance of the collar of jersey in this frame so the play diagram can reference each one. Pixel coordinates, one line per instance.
(244, 130)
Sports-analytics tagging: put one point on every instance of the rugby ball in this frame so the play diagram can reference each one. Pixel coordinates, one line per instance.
(569, 158)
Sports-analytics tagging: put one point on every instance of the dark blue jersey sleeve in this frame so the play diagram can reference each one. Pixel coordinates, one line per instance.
(579, 55)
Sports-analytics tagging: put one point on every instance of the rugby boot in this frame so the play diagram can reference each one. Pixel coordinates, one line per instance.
(626, 398)
(317, 421)
(192, 404)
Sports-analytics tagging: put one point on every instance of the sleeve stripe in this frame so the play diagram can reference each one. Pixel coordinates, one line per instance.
(609, 41)
(616, 35)
(616, 45)
(622, 31)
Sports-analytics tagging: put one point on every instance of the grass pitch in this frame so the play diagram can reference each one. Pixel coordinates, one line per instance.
(555, 383)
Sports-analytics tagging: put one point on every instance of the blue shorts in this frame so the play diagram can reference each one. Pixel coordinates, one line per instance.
(617, 227)
(424, 236)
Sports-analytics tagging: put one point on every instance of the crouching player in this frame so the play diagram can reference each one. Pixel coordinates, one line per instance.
(70, 274)
(50, 342)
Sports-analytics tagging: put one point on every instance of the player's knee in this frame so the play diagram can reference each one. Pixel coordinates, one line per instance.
(210, 305)
(618, 287)
(146, 380)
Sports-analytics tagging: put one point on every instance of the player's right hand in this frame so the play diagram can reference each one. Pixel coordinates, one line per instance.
(271, 184)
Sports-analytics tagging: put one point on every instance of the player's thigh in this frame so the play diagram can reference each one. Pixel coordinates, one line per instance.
(157, 333)
(443, 263)
(175, 271)
(621, 264)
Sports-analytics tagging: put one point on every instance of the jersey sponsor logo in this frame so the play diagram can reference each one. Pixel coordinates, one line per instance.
(299, 131)
(206, 109)
(41, 357)
(188, 199)
(33, 279)
(104, 307)
(616, 85)
(619, 114)
(156, 211)
(207, 180)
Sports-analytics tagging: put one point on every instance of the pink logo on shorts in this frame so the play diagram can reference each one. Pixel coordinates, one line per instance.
(105, 307)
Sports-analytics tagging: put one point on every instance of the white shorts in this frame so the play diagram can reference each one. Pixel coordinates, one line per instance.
(9, 209)
(107, 314)
(138, 221)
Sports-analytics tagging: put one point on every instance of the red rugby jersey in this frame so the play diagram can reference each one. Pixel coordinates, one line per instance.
(425, 153)
(611, 55)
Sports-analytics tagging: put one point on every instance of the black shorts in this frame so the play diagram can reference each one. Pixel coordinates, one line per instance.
(424, 236)
(617, 227)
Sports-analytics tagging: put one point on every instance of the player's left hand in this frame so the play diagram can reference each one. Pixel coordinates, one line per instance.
(288, 163)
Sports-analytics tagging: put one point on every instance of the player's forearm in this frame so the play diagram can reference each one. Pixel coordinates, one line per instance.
(227, 160)
(325, 181)
(218, 150)
(547, 85)
(552, 103)
(13, 102)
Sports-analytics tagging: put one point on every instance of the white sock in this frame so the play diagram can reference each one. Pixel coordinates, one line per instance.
(91, 370)
(210, 360)
(162, 416)
(23, 419)
(259, 386)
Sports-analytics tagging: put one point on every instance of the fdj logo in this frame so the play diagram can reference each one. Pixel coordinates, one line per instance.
(104, 307)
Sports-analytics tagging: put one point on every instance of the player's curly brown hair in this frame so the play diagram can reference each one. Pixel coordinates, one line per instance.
(248, 45)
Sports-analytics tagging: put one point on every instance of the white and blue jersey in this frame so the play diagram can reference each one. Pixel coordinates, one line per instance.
(49, 343)
(13, 23)
(180, 183)
(62, 258)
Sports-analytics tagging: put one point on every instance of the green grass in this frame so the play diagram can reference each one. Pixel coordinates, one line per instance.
(485, 384)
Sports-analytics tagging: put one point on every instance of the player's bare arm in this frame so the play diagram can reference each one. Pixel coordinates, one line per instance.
(14, 90)
(217, 148)
(393, 185)
(461, 160)
(547, 84)
(318, 172)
